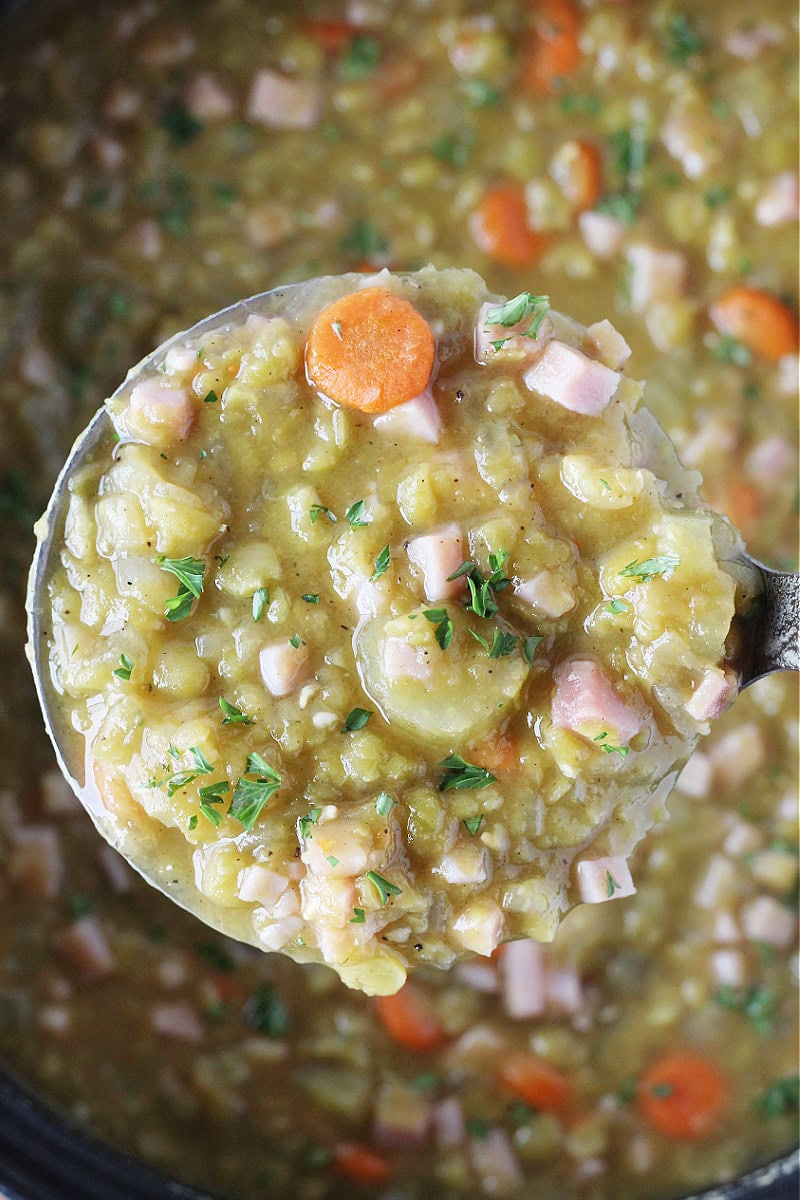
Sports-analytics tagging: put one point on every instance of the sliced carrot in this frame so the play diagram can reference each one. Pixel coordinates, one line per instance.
(370, 351)
(500, 228)
(360, 1164)
(758, 320)
(332, 36)
(535, 1081)
(577, 169)
(499, 753)
(553, 50)
(682, 1095)
(409, 1019)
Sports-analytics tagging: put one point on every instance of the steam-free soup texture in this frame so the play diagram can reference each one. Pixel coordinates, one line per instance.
(630, 161)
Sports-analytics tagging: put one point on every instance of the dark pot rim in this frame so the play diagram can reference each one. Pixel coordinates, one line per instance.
(43, 1156)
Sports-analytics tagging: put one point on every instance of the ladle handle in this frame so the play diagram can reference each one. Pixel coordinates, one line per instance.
(776, 644)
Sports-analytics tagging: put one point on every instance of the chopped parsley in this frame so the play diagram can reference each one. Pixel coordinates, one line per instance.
(617, 606)
(384, 887)
(611, 884)
(266, 1013)
(363, 241)
(210, 397)
(681, 39)
(626, 1092)
(123, 671)
(716, 196)
(358, 917)
(384, 804)
(250, 795)
(481, 590)
(515, 311)
(473, 824)
(502, 643)
(454, 148)
(662, 1091)
(317, 510)
(361, 57)
(622, 206)
(178, 122)
(607, 748)
(295, 641)
(381, 564)
(356, 719)
(79, 905)
(463, 776)
(530, 645)
(307, 823)
(729, 350)
(631, 149)
(233, 715)
(443, 630)
(479, 94)
(755, 1002)
(590, 106)
(214, 956)
(780, 1099)
(260, 602)
(649, 568)
(336, 326)
(189, 572)
(355, 515)
(310, 597)
(333, 860)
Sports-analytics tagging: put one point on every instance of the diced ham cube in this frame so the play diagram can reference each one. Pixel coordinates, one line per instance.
(585, 702)
(159, 415)
(108, 152)
(779, 203)
(547, 594)
(450, 1128)
(273, 935)
(464, 864)
(496, 1165)
(739, 754)
(726, 928)
(404, 661)
(515, 343)
(261, 885)
(749, 40)
(716, 691)
(438, 555)
(479, 928)
(601, 879)
(208, 99)
(523, 976)
(282, 667)
(35, 863)
(655, 275)
(602, 233)
(719, 884)
(83, 944)
(607, 344)
(770, 460)
(765, 919)
(122, 104)
(564, 991)
(418, 418)
(695, 778)
(116, 870)
(284, 102)
(728, 967)
(144, 239)
(178, 1021)
(269, 224)
(572, 379)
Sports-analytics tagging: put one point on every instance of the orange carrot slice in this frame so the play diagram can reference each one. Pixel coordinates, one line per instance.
(499, 753)
(499, 226)
(360, 1164)
(577, 170)
(332, 36)
(682, 1095)
(758, 320)
(409, 1019)
(370, 351)
(535, 1081)
(553, 50)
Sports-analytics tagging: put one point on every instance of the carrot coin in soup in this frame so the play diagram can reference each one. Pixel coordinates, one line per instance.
(387, 657)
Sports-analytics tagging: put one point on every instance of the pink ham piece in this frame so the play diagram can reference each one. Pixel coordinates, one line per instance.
(404, 661)
(515, 343)
(178, 1021)
(547, 594)
(418, 418)
(283, 102)
(523, 978)
(208, 99)
(450, 1128)
(765, 919)
(779, 203)
(84, 946)
(438, 555)
(585, 702)
(282, 667)
(607, 344)
(572, 379)
(603, 234)
(496, 1165)
(601, 879)
(160, 415)
(655, 275)
(715, 692)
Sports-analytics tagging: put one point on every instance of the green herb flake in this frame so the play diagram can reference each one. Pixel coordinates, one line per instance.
(454, 148)
(530, 645)
(729, 350)
(336, 326)
(210, 398)
(260, 602)
(443, 631)
(178, 122)
(662, 1091)
(363, 241)
(214, 956)
(681, 39)
(251, 795)
(617, 606)
(631, 150)
(333, 860)
(356, 515)
(202, 765)
(356, 719)
(189, 572)
(123, 671)
(426, 1081)
(295, 641)
(622, 206)
(358, 917)
(473, 824)
(361, 57)
(716, 196)
(573, 104)
(479, 94)
(520, 1113)
(663, 564)
(306, 824)
(611, 884)
(310, 597)
(193, 822)
(265, 1012)
(463, 776)
(233, 715)
(478, 1128)
(608, 748)
(79, 905)
(384, 887)
(224, 193)
(779, 1099)
(626, 1092)
(381, 564)
(515, 311)
(384, 804)
(755, 1002)
(318, 510)
(213, 793)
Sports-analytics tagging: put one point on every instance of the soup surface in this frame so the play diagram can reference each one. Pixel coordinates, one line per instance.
(634, 160)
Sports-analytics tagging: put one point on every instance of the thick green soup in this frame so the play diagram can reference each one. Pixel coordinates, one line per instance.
(406, 693)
